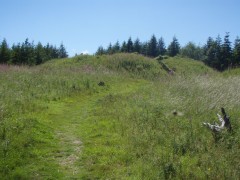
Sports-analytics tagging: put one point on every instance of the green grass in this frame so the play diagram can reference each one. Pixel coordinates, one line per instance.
(188, 67)
(57, 123)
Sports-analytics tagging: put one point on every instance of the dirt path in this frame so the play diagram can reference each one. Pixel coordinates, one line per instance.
(66, 119)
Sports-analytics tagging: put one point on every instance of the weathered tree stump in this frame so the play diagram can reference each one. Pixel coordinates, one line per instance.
(225, 123)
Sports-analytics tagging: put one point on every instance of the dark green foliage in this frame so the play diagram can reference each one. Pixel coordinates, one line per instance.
(236, 52)
(100, 51)
(192, 51)
(124, 47)
(137, 46)
(29, 54)
(39, 54)
(130, 45)
(214, 54)
(4, 52)
(62, 53)
(226, 53)
(16, 54)
(144, 49)
(211, 52)
(116, 47)
(221, 55)
(110, 49)
(161, 47)
(152, 47)
(174, 47)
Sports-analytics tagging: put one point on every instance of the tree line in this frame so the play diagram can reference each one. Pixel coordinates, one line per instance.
(30, 54)
(215, 53)
(151, 48)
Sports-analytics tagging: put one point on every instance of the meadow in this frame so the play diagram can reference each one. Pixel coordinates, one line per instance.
(58, 122)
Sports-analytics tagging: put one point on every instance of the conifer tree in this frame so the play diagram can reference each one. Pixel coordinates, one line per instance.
(27, 53)
(39, 54)
(4, 52)
(152, 47)
(100, 51)
(209, 51)
(236, 52)
(62, 53)
(55, 52)
(130, 45)
(137, 46)
(110, 49)
(212, 52)
(47, 52)
(161, 47)
(174, 47)
(218, 54)
(226, 53)
(124, 47)
(16, 54)
(144, 49)
(116, 47)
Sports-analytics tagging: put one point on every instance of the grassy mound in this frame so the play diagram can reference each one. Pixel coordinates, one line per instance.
(187, 67)
(131, 65)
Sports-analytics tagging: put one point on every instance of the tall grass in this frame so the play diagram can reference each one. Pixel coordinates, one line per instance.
(145, 124)
(24, 96)
(160, 144)
(159, 128)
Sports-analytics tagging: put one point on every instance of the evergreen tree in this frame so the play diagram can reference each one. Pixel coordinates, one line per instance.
(209, 51)
(27, 53)
(100, 51)
(124, 47)
(110, 49)
(16, 54)
(218, 55)
(137, 46)
(47, 52)
(212, 52)
(130, 45)
(39, 54)
(144, 49)
(152, 47)
(161, 47)
(62, 53)
(55, 52)
(116, 47)
(4, 52)
(226, 53)
(236, 52)
(174, 47)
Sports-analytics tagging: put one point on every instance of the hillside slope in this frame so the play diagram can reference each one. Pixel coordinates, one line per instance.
(188, 67)
(59, 121)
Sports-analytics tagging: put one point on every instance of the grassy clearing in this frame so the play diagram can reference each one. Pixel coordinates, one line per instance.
(153, 143)
(56, 122)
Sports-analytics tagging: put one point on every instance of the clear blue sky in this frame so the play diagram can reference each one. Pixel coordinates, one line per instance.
(84, 25)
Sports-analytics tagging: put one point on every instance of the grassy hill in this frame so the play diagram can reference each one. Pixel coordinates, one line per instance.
(58, 121)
